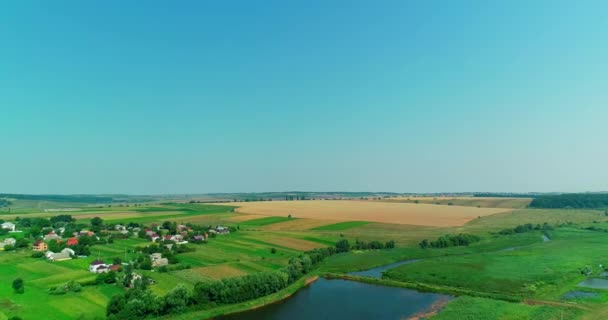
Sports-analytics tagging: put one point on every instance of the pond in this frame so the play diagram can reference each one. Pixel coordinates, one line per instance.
(580, 295)
(595, 283)
(344, 299)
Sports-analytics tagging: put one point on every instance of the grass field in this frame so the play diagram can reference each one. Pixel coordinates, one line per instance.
(544, 270)
(469, 308)
(341, 226)
(375, 211)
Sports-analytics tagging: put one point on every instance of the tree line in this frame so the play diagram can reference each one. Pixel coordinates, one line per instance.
(571, 200)
(462, 239)
(139, 303)
(526, 228)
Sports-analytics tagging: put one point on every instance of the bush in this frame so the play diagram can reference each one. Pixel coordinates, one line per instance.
(37, 254)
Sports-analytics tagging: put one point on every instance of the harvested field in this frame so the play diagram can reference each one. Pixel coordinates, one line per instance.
(387, 212)
(292, 243)
(483, 202)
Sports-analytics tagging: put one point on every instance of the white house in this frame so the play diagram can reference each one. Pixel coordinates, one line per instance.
(99, 266)
(65, 254)
(8, 225)
(7, 242)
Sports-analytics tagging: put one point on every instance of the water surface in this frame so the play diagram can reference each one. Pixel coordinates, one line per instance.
(595, 283)
(377, 272)
(343, 299)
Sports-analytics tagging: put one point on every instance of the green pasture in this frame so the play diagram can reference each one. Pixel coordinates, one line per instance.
(543, 270)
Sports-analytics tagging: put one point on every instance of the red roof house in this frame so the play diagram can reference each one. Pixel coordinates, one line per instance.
(72, 242)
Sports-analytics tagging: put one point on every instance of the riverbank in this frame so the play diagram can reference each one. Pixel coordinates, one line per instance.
(422, 287)
(248, 305)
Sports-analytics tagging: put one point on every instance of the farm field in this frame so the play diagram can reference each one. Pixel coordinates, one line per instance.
(373, 211)
(483, 202)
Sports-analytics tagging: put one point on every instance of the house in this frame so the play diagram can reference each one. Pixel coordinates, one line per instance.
(158, 260)
(72, 242)
(115, 267)
(86, 233)
(40, 246)
(134, 277)
(8, 225)
(220, 230)
(7, 242)
(198, 238)
(65, 254)
(150, 232)
(119, 227)
(51, 236)
(98, 266)
(154, 237)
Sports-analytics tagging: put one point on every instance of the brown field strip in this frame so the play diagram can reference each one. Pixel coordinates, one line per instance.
(386, 212)
(297, 224)
(292, 243)
(219, 271)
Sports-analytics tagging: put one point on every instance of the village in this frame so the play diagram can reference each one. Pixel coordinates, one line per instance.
(63, 238)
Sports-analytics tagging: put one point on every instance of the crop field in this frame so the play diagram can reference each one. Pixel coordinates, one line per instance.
(374, 211)
(298, 224)
(483, 202)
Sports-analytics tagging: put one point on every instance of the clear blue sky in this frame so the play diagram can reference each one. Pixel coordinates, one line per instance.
(233, 96)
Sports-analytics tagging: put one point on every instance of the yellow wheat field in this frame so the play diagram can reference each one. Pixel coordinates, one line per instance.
(353, 210)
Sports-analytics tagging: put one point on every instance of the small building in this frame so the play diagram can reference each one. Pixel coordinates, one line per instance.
(158, 260)
(86, 233)
(99, 266)
(134, 277)
(7, 242)
(65, 254)
(8, 225)
(40, 245)
(72, 242)
(51, 236)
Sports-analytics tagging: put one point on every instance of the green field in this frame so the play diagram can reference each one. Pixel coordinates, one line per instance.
(341, 226)
(537, 271)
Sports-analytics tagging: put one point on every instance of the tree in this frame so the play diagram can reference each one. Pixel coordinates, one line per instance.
(18, 286)
(176, 300)
(97, 222)
(342, 246)
(273, 250)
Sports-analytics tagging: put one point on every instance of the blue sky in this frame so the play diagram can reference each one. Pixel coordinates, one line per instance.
(235, 96)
